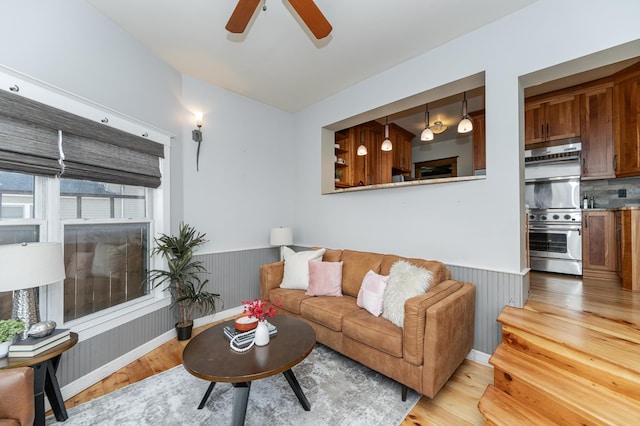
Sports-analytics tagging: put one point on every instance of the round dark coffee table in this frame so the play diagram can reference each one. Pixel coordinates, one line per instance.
(209, 357)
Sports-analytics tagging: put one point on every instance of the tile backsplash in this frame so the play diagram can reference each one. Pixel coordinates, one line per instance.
(606, 191)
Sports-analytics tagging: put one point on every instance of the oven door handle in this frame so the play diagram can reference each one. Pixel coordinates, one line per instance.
(560, 229)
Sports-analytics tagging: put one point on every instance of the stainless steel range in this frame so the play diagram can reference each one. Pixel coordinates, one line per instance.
(552, 198)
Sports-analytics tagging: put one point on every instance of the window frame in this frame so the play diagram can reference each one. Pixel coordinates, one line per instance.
(46, 207)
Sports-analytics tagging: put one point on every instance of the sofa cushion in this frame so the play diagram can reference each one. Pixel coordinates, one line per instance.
(376, 332)
(328, 311)
(371, 294)
(325, 278)
(289, 299)
(405, 281)
(296, 268)
(438, 269)
(331, 255)
(356, 266)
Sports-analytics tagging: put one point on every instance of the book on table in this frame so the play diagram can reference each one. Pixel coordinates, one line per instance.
(230, 332)
(32, 346)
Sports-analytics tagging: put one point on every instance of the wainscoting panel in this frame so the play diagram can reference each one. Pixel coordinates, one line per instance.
(234, 275)
(494, 290)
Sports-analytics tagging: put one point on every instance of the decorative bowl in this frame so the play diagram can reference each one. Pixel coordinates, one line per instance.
(244, 323)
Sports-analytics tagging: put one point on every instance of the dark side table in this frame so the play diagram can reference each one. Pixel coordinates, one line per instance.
(44, 367)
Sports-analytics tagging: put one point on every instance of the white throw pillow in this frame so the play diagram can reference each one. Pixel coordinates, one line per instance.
(296, 268)
(371, 294)
(405, 281)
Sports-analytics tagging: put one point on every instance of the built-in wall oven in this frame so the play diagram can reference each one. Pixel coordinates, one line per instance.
(552, 199)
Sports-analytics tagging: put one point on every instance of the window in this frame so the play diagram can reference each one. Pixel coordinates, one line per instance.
(16, 217)
(106, 263)
(104, 208)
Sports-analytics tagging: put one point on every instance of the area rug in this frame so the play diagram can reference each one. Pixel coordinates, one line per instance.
(341, 392)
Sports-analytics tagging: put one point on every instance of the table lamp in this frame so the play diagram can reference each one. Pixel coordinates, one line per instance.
(281, 237)
(23, 268)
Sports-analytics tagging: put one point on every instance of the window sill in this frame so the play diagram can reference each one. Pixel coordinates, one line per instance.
(103, 321)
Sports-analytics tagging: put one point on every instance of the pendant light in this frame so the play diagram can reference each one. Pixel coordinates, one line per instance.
(465, 125)
(386, 144)
(362, 149)
(427, 133)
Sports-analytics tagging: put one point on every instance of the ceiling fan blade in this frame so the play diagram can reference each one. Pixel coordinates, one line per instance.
(312, 16)
(241, 16)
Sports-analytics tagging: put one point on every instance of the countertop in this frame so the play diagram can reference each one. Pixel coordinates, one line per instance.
(613, 209)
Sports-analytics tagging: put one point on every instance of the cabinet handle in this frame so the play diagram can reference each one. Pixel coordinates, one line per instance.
(584, 165)
(586, 221)
(547, 130)
(542, 130)
(615, 162)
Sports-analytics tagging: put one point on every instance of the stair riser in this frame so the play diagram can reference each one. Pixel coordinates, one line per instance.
(543, 403)
(618, 379)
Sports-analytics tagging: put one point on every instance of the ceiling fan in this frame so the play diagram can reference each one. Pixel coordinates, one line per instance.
(306, 9)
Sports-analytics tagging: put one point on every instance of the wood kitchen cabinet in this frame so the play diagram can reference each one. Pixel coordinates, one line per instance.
(402, 149)
(626, 103)
(599, 247)
(596, 129)
(628, 225)
(551, 118)
(479, 142)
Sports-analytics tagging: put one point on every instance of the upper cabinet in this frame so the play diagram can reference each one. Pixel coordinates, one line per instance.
(627, 122)
(479, 142)
(596, 123)
(551, 118)
(402, 150)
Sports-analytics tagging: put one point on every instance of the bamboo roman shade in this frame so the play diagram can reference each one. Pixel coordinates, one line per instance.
(93, 151)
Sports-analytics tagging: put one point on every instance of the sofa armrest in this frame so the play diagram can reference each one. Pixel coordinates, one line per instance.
(448, 337)
(16, 395)
(270, 277)
(415, 319)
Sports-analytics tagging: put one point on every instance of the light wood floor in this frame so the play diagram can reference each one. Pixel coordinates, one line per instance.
(456, 403)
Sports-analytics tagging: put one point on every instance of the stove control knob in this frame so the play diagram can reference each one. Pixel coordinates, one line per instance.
(556, 217)
(543, 217)
(532, 217)
(567, 217)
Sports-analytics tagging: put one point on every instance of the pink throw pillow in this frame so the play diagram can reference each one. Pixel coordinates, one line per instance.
(371, 292)
(325, 278)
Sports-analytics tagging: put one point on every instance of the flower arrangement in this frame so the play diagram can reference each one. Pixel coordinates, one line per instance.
(258, 309)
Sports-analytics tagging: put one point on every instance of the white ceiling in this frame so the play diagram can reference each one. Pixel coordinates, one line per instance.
(277, 61)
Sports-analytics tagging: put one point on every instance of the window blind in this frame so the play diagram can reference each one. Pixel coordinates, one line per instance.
(94, 151)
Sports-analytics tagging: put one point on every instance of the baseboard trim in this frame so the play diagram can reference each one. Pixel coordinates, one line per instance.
(106, 370)
(479, 357)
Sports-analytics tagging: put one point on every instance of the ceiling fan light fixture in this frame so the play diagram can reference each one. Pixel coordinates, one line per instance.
(386, 144)
(465, 125)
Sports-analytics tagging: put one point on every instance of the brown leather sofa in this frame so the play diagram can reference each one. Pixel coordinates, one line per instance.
(17, 405)
(438, 325)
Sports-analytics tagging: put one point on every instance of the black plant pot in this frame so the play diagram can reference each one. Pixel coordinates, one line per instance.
(184, 333)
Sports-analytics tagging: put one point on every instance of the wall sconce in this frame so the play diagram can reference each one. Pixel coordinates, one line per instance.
(386, 144)
(427, 133)
(465, 125)
(196, 135)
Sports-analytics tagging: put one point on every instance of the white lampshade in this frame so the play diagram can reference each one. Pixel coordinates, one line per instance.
(30, 265)
(362, 150)
(281, 236)
(386, 145)
(426, 135)
(465, 126)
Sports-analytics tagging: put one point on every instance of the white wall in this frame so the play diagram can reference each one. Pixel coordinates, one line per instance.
(478, 223)
(244, 184)
(68, 44)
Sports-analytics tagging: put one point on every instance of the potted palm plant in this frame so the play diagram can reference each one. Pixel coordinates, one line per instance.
(183, 278)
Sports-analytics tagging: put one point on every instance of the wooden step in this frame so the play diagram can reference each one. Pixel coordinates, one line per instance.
(599, 338)
(567, 398)
(501, 409)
